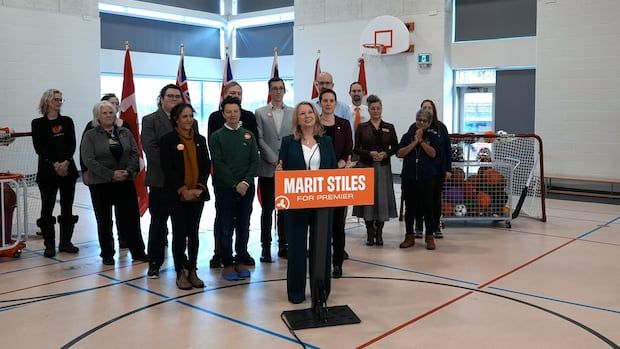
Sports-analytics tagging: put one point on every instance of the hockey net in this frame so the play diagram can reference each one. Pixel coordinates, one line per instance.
(524, 152)
(17, 155)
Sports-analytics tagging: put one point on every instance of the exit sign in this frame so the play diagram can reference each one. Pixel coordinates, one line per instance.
(424, 58)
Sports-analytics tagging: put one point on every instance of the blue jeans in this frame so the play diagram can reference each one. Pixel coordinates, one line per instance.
(233, 214)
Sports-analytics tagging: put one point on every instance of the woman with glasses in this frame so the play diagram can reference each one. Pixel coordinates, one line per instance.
(53, 137)
(418, 149)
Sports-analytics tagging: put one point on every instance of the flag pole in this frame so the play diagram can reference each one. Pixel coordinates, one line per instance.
(126, 45)
(182, 49)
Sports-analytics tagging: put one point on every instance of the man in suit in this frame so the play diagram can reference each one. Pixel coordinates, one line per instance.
(216, 122)
(154, 127)
(274, 121)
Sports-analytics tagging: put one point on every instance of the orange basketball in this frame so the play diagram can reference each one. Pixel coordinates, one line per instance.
(482, 170)
(483, 199)
(447, 209)
(493, 177)
(458, 175)
(469, 189)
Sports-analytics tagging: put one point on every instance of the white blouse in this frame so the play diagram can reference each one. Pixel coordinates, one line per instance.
(312, 156)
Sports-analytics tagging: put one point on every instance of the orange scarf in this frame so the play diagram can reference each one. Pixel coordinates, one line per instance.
(190, 159)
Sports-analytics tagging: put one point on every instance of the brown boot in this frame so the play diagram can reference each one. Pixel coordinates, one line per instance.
(409, 241)
(193, 279)
(430, 242)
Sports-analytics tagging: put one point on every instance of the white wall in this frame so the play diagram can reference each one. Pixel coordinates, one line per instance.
(577, 77)
(334, 27)
(48, 44)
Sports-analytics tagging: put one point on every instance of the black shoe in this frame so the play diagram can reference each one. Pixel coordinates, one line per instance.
(49, 252)
(345, 255)
(266, 259)
(438, 235)
(140, 258)
(68, 248)
(215, 262)
(153, 272)
(337, 273)
(282, 253)
(108, 261)
(248, 260)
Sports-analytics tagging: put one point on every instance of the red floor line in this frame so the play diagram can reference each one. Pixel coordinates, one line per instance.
(398, 328)
(401, 326)
(63, 280)
(526, 264)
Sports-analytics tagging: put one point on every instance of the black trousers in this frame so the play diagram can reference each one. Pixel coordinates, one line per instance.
(338, 223)
(437, 191)
(185, 221)
(123, 196)
(49, 190)
(48, 197)
(418, 200)
(159, 208)
(267, 199)
(233, 214)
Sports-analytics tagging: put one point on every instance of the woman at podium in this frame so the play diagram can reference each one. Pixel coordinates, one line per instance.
(306, 149)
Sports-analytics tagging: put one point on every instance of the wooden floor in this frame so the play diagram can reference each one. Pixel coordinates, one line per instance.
(537, 285)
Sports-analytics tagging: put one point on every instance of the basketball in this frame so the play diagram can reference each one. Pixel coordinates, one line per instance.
(447, 209)
(460, 210)
(489, 136)
(453, 195)
(483, 199)
(458, 175)
(493, 177)
(469, 189)
(484, 155)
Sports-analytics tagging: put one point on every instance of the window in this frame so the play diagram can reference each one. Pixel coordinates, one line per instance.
(476, 100)
(205, 95)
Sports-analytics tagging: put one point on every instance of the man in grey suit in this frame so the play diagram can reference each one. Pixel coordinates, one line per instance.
(154, 126)
(274, 121)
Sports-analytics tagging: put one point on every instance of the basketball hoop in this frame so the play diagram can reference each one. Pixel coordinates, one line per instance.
(381, 49)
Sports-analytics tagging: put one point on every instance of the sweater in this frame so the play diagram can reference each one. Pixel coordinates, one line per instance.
(235, 157)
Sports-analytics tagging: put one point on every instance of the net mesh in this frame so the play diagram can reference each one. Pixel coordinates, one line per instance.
(18, 156)
(523, 152)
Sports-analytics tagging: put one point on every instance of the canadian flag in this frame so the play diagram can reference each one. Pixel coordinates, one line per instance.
(317, 71)
(130, 115)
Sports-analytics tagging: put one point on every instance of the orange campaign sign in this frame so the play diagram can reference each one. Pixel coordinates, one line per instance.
(324, 188)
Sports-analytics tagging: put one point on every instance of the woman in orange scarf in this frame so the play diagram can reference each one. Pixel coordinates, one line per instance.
(186, 165)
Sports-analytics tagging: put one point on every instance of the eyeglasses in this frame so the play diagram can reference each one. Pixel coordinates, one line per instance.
(59, 100)
(174, 96)
(422, 121)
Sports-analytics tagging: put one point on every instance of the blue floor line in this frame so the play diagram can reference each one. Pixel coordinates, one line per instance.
(597, 228)
(555, 300)
(222, 316)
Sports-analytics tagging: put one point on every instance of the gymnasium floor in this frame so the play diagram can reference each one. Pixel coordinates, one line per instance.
(537, 285)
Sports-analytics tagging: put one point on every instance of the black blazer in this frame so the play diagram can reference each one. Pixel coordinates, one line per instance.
(343, 142)
(292, 156)
(42, 139)
(173, 165)
(368, 139)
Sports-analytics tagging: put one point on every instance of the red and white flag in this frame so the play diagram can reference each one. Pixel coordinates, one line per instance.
(317, 71)
(182, 80)
(274, 70)
(130, 115)
(361, 77)
(227, 76)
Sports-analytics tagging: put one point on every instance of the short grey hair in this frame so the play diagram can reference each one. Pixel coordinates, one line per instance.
(97, 111)
(425, 113)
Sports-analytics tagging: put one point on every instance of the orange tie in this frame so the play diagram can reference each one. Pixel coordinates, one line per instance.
(358, 117)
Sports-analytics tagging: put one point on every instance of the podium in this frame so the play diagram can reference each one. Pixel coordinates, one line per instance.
(320, 315)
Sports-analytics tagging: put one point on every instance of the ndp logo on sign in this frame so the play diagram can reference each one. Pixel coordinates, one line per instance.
(324, 188)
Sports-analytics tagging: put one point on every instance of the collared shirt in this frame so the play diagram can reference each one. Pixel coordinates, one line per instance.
(364, 114)
(233, 129)
(278, 116)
